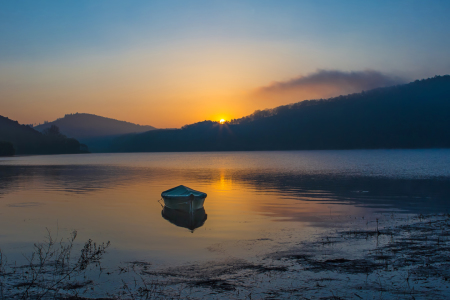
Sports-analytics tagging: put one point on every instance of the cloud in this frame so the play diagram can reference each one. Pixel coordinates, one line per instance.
(329, 83)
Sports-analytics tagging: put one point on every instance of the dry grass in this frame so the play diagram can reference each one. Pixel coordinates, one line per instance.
(51, 270)
(403, 259)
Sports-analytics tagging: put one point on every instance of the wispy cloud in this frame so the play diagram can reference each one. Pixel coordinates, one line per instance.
(329, 83)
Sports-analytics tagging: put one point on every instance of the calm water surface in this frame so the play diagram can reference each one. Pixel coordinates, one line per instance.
(257, 202)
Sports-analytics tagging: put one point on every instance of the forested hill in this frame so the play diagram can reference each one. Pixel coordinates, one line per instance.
(414, 115)
(86, 126)
(26, 140)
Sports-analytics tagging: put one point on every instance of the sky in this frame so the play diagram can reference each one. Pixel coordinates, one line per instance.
(169, 63)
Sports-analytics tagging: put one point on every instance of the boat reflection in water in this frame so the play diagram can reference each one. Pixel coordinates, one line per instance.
(183, 207)
(185, 218)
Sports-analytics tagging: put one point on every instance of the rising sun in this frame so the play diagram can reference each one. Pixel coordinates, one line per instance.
(222, 121)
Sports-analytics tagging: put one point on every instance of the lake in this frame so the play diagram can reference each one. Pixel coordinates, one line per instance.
(258, 202)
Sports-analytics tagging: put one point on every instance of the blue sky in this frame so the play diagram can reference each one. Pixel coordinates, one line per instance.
(137, 60)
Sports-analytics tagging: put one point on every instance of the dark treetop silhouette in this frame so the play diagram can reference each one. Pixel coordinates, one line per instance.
(26, 140)
(414, 115)
(7, 149)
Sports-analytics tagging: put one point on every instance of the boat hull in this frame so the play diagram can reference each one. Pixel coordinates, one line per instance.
(184, 203)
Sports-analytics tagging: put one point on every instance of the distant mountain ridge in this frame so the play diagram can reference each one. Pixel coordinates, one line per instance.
(26, 140)
(414, 115)
(86, 126)
(95, 131)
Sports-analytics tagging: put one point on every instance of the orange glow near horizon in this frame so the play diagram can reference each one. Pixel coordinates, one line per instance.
(161, 87)
(153, 85)
(168, 65)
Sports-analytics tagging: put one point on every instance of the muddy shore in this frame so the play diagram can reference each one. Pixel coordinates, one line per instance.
(392, 257)
(395, 257)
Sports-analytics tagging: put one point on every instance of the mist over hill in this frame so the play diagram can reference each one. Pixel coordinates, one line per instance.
(414, 115)
(26, 140)
(95, 131)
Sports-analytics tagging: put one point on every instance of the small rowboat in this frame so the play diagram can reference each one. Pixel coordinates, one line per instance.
(183, 198)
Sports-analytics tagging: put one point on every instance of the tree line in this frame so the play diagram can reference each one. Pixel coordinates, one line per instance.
(414, 115)
(22, 139)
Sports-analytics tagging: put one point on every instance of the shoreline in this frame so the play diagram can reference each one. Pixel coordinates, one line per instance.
(407, 258)
(404, 257)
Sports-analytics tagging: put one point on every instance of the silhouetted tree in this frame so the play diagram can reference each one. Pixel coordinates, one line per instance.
(6, 149)
(53, 131)
(26, 140)
(414, 115)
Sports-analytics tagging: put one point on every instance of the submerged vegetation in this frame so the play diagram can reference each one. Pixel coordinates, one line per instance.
(52, 271)
(393, 258)
(390, 258)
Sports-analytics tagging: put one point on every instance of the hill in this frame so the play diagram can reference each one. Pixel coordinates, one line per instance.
(83, 126)
(26, 140)
(414, 115)
(95, 131)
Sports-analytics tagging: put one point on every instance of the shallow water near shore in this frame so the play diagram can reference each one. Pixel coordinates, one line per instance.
(258, 202)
